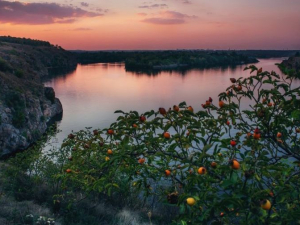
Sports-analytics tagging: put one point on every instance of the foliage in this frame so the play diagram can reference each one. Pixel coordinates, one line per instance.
(267, 53)
(200, 59)
(16, 101)
(19, 73)
(24, 41)
(268, 160)
(289, 70)
(163, 59)
(4, 66)
(228, 159)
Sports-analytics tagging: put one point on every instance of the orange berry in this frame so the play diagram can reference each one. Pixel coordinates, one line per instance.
(190, 108)
(202, 170)
(221, 104)
(235, 164)
(110, 132)
(175, 108)
(190, 201)
(167, 172)
(167, 135)
(141, 161)
(162, 111)
(109, 152)
(266, 204)
(279, 135)
(68, 170)
(213, 165)
(256, 136)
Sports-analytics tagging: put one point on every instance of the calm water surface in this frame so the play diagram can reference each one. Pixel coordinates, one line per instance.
(92, 93)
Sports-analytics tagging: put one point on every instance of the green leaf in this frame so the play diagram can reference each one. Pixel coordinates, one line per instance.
(207, 147)
(119, 111)
(183, 222)
(226, 183)
(296, 114)
(182, 104)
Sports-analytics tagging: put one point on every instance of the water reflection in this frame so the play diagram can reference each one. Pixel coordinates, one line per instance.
(91, 94)
(180, 71)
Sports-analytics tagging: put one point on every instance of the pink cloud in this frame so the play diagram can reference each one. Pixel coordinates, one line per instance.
(169, 17)
(142, 14)
(153, 6)
(40, 13)
(84, 4)
(81, 29)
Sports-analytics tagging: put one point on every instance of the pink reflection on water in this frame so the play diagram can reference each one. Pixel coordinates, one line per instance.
(92, 93)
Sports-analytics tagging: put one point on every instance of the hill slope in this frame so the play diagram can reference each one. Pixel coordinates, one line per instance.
(25, 104)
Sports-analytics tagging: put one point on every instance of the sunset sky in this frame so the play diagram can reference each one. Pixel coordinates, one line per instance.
(155, 24)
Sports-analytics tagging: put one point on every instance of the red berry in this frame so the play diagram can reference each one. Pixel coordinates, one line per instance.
(233, 143)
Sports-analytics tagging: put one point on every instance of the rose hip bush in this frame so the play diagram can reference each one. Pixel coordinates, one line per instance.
(238, 165)
(234, 162)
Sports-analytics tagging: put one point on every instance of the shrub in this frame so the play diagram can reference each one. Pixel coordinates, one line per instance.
(18, 119)
(255, 151)
(49, 94)
(19, 73)
(15, 101)
(4, 66)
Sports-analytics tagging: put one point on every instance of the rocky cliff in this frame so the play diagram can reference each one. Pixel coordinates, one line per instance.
(25, 104)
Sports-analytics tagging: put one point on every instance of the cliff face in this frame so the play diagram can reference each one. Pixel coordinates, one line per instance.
(25, 104)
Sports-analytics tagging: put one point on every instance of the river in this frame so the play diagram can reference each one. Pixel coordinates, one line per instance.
(92, 93)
